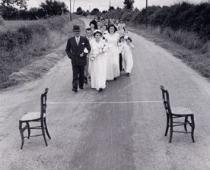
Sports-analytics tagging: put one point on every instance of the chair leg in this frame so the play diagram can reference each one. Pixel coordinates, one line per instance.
(193, 128)
(21, 134)
(43, 132)
(167, 125)
(48, 134)
(29, 130)
(185, 123)
(171, 130)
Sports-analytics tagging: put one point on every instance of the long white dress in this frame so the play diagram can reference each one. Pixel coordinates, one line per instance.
(98, 64)
(113, 69)
(127, 56)
(121, 29)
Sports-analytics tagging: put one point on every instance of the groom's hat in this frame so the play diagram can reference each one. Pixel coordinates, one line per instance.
(76, 28)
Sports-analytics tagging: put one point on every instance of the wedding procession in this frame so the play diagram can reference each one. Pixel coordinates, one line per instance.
(104, 85)
(102, 55)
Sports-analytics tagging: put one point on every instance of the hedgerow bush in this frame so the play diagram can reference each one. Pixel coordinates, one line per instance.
(184, 16)
(22, 44)
(1, 21)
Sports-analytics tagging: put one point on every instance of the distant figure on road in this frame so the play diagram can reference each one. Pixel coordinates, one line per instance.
(77, 49)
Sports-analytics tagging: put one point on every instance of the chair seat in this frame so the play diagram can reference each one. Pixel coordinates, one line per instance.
(181, 110)
(31, 116)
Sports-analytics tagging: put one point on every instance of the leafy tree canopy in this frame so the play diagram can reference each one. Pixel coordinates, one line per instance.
(20, 3)
(128, 4)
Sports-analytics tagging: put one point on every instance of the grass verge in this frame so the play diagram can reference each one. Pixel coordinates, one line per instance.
(186, 46)
(25, 46)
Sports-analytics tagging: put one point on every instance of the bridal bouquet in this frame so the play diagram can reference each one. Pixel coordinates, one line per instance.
(92, 57)
(103, 49)
(85, 50)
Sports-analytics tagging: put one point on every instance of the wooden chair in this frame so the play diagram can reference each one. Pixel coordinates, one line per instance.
(177, 116)
(39, 117)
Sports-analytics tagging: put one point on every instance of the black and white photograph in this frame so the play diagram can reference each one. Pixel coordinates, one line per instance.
(104, 84)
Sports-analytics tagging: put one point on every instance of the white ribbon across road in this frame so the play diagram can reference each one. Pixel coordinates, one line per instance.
(104, 102)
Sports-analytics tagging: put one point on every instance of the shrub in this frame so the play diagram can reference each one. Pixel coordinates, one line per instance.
(184, 16)
(1, 21)
(25, 43)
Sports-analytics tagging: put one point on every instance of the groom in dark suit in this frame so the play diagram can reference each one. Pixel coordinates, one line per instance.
(77, 49)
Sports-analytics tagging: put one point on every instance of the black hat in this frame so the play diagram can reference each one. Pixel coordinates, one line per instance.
(76, 28)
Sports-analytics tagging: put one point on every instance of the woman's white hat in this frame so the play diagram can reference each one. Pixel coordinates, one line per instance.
(97, 31)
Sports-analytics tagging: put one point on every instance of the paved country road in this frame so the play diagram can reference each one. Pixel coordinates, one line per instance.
(121, 128)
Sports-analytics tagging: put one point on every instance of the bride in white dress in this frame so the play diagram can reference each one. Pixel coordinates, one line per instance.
(113, 70)
(98, 61)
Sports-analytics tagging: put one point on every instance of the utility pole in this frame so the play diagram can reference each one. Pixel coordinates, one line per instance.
(146, 13)
(73, 6)
(70, 12)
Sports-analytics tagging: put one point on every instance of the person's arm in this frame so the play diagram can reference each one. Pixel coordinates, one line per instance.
(68, 49)
(131, 45)
(88, 45)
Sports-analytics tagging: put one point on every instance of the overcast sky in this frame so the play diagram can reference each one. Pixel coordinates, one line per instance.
(104, 4)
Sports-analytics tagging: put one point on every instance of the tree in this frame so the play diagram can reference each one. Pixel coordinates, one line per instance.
(79, 11)
(111, 8)
(128, 4)
(104, 12)
(20, 3)
(53, 7)
(95, 11)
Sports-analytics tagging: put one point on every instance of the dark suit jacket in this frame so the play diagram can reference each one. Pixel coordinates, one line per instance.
(73, 50)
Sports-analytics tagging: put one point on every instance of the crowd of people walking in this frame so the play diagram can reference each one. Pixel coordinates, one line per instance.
(101, 55)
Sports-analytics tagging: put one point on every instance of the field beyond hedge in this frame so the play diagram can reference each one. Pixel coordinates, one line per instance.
(23, 42)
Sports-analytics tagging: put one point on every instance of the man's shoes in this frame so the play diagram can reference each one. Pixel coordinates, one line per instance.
(100, 90)
(115, 78)
(81, 88)
(75, 90)
(85, 80)
(128, 74)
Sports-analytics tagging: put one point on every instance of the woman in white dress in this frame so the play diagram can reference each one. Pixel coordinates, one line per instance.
(98, 61)
(113, 70)
(126, 49)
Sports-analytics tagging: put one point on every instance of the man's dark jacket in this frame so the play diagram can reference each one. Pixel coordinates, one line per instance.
(73, 50)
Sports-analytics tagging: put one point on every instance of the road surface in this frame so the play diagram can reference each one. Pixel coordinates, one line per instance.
(121, 128)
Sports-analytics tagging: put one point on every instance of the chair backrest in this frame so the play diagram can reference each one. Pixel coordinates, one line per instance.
(44, 102)
(166, 100)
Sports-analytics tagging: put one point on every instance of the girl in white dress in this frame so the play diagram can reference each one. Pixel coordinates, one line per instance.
(121, 28)
(113, 70)
(104, 31)
(126, 49)
(98, 61)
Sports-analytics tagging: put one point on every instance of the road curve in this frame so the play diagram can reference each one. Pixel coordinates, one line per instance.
(121, 128)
